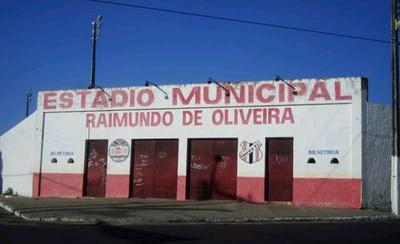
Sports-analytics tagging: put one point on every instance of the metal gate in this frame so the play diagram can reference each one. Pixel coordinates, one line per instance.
(212, 167)
(95, 168)
(279, 169)
(155, 168)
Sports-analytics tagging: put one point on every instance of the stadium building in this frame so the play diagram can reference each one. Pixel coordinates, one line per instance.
(315, 142)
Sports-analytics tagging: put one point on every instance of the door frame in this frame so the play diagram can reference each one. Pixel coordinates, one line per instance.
(85, 168)
(266, 177)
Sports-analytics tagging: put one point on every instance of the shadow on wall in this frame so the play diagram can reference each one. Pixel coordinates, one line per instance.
(1, 173)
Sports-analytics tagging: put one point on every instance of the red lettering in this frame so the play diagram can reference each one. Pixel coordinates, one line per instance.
(260, 93)
(100, 100)
(168, 118)
(66, 99)
(245, 119)
(282, 88)
(226, 117)
(83, 95)
(155, 119)
(110, 120)
(207, 98)
(119, 98)
(301, 89)
(90, 117)
(338, 92)
(217, 117)
(177, 93)
(257, 116)
(102, 120)
(150, 97)
(251, 93)
(239, 98)
(287, 116)
(273, 113)
(119, 122)
(198, 117)
(192, 117)
(48, 102)
(265, 116)
(132, 98)
(133, 120)
(187, 117)
(144, 118)
(319, 91)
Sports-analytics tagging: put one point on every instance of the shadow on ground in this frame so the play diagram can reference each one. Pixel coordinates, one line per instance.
(137, 235)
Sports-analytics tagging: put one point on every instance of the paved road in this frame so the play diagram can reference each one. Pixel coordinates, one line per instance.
(14, 230)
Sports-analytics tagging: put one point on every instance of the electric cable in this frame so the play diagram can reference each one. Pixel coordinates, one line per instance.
(291, 28)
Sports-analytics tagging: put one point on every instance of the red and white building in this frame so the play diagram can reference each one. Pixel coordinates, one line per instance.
(262, 142)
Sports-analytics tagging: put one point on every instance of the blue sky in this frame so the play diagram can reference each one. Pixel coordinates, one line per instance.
(45, 45)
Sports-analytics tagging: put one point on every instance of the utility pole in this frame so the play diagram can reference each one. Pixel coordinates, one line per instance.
(395, 110)
(28, 100)
(96, 26)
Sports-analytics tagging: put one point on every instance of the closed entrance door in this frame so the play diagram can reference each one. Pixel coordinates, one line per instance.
(212, 167)
(279, 170)
(155, 168)
(96, 168)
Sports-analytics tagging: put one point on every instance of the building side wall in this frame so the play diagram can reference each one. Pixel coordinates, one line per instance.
(17, 156)
(377, 156)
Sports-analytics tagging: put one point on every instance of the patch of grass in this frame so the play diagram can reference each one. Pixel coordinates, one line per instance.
(8, 192)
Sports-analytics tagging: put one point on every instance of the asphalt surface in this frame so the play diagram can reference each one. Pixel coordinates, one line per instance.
(16, 230)
(162, 211)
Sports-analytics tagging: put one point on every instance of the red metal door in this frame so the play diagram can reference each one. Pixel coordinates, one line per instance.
(201, 167)
(166, 158)
(213, 166)
(155, 168)
(143, 168)
(279, 180)
(96, 168)
(224, 174)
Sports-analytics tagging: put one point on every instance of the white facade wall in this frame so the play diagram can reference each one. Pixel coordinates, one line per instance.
(318, 125)
(18, 153)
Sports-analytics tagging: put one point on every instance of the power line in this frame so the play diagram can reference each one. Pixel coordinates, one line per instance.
(292, 28)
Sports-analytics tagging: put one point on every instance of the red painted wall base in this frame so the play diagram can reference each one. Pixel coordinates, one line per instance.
(250, 189)
(181, 188)
(324, 192)
(57, 185)
(117, 186)
(321, 192)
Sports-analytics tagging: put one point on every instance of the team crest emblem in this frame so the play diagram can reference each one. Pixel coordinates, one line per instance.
(251, 152)
(119, 150)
